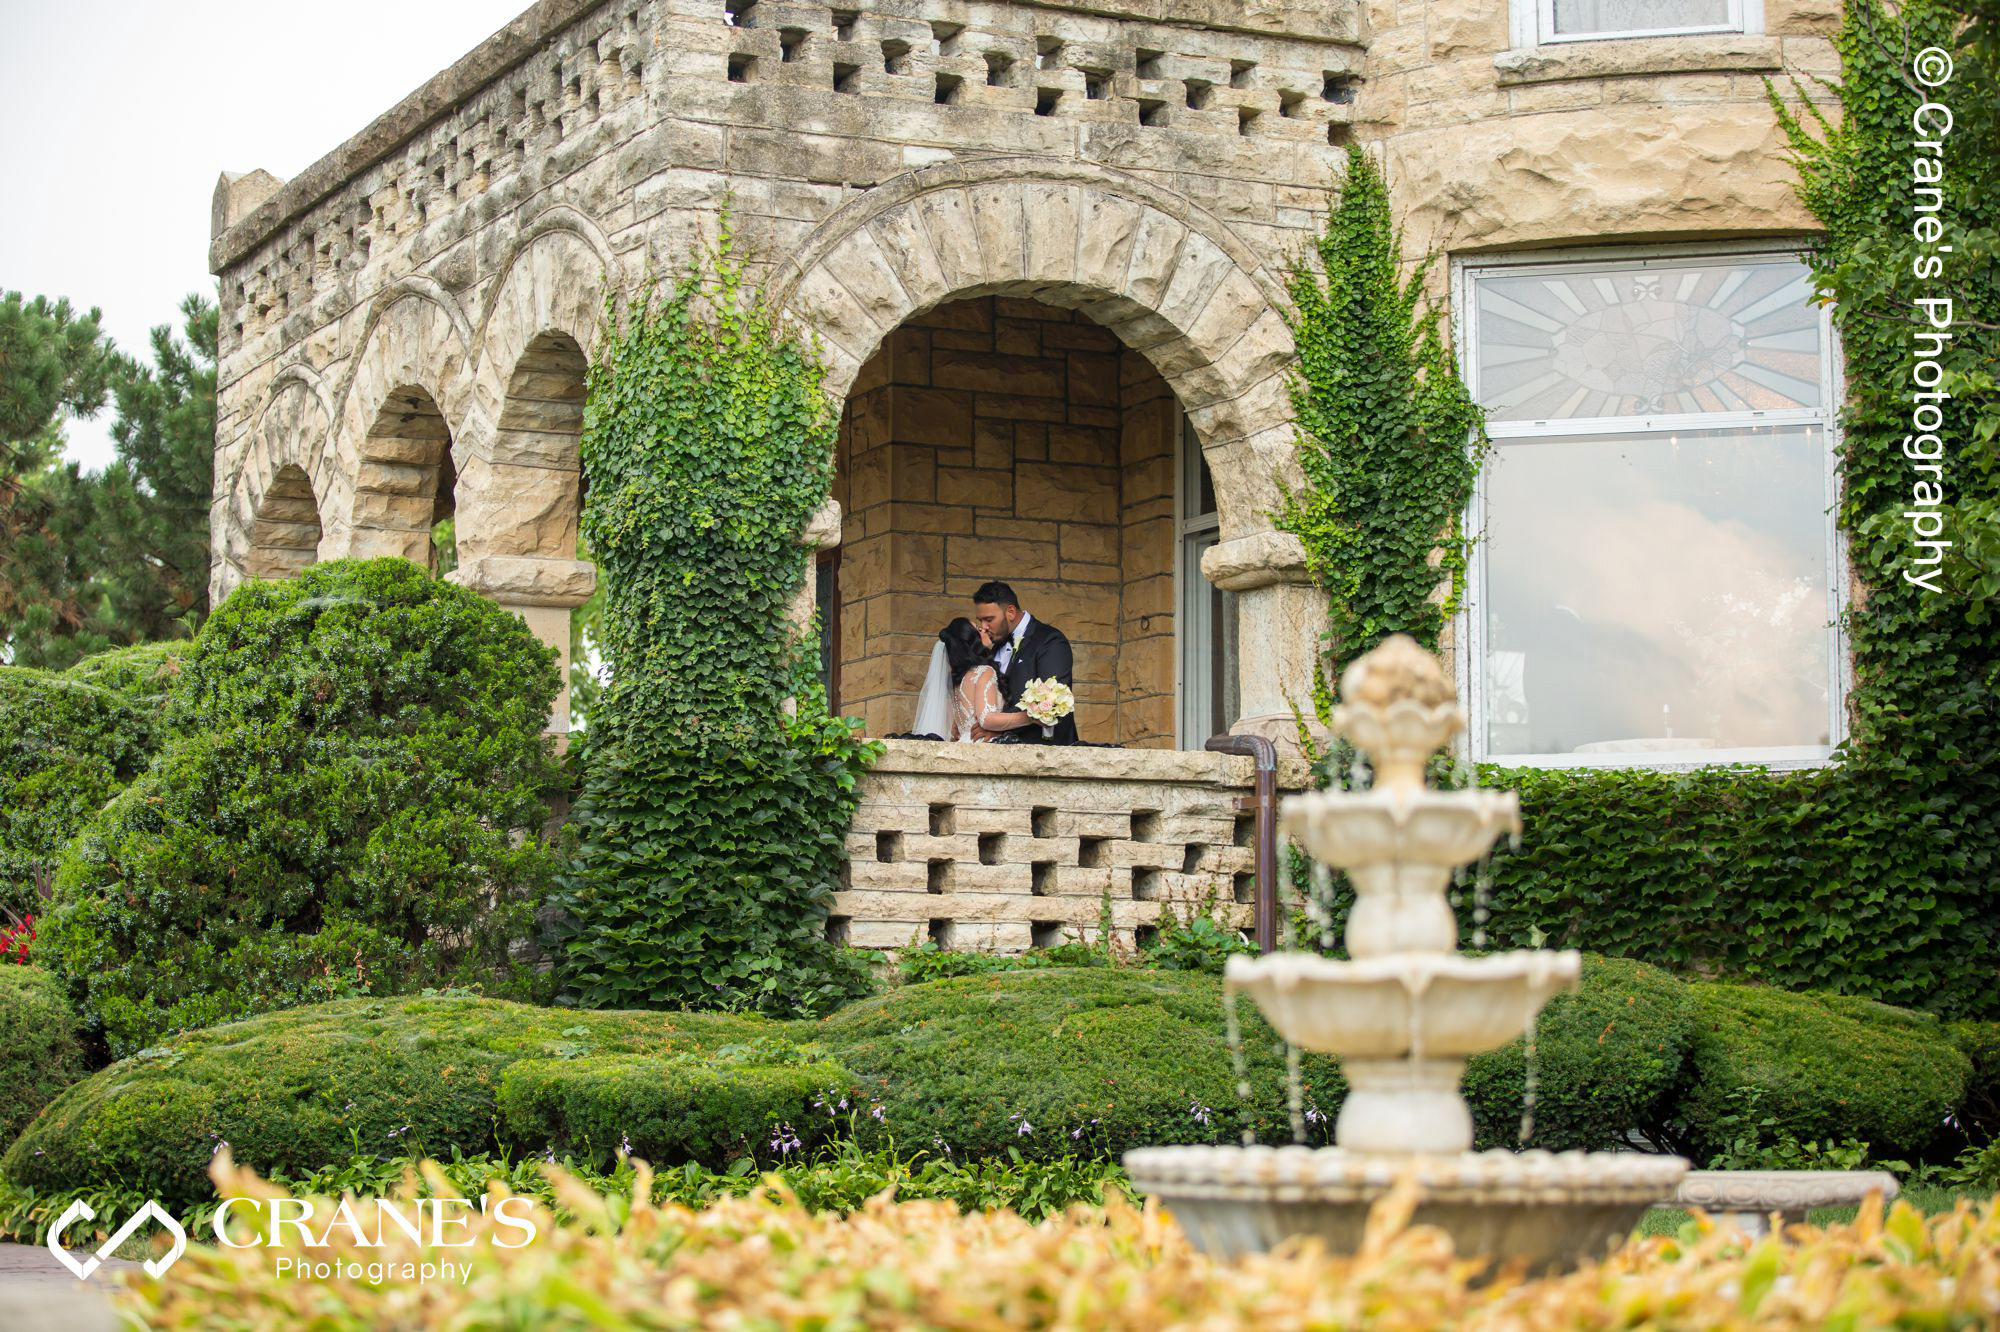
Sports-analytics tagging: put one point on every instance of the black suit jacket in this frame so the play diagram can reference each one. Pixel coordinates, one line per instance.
(1042, 654)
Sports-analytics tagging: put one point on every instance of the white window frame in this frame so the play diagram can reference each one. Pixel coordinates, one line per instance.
(1533, 23)
(1469, 625)
(1194, 699)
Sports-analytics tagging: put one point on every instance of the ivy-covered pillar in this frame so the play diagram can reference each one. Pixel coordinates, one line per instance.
(542, 592)
(1281, 617)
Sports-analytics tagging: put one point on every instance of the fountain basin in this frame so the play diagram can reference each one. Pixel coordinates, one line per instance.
(1546, 1210)
(1389, 825)
(1403, 1005)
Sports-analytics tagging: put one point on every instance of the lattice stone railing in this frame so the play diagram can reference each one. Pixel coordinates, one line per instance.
(1004, 847)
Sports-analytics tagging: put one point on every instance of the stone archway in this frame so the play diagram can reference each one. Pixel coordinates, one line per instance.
(285, 533)
(1170, 280)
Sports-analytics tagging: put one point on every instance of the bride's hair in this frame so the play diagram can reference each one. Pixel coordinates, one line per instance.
(962, 648)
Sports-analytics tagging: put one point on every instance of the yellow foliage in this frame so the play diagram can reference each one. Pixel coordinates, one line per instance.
(765, 1262)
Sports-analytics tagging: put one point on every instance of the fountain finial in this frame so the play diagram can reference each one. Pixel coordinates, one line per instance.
(1397, 707)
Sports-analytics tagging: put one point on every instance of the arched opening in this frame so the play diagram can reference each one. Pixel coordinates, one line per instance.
(406, 492)
(285, 535)
(1000, 437)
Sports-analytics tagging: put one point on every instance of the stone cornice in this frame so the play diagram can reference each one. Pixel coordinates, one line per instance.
(396, 126)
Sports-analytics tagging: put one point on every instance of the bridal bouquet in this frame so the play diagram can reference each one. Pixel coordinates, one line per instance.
(1048, 702)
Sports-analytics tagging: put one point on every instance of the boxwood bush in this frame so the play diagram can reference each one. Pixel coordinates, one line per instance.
(1979, 1116)
(68, 741)
(293, 1091)
(1045, 1062)
(352, 798)
(1608, 1059)
(1814, 1067)
(713, 1109)
(39, 1052)
(1049, 1062)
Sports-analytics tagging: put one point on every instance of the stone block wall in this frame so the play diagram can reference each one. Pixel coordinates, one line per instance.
(1491, 139)
(1003, 848)
(1006, 438)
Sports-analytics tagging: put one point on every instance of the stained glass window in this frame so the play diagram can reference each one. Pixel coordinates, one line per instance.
(1653, 580)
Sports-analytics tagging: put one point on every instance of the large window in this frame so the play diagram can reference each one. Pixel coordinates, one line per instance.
(1207, 621)
(1537, 21)
(1653, 579)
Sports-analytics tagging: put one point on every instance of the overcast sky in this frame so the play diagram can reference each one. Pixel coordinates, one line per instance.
(116, 118)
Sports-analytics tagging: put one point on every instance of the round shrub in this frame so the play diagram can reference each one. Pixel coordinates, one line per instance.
(144, 672)
(1814, 1067)
(679, 1108)
(1608, 1060)
(1057, 1061)
(352, 798)
(293, 1091)
(1979, 1114)
(68, 742)
(39, 1052)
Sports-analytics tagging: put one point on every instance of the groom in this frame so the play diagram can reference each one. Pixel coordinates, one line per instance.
(1024, 649)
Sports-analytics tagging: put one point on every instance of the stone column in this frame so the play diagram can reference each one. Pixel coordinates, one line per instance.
(1280, 616)
(542, 592)
(822, 532)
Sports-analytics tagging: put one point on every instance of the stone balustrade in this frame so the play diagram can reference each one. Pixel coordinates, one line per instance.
(1004, 847)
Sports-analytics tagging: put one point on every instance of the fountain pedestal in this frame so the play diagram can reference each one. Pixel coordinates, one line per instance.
(1405, 1013)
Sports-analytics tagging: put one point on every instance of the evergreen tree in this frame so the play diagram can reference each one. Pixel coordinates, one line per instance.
(94, 561)
(53, 362)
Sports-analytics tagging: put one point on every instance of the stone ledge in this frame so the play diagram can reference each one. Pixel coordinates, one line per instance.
(1707, 53)
(1077, 762)
(520, 580)
(1258, 560)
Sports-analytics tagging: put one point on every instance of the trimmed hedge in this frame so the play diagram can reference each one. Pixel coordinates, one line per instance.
(1608, 1059)
(39, 1052)
(291, 1092)
(1059, 1061)
(68, 742)
(352, 799)
(1047, 1062)
(681, 1108)
(1819, 1066)
(1979, 1116)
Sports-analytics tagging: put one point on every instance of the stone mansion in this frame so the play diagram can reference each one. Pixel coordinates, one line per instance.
(1045, 247)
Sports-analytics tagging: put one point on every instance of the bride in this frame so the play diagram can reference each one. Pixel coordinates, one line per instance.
(961, 695)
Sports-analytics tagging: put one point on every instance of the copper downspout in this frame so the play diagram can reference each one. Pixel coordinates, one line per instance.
(1265, 802)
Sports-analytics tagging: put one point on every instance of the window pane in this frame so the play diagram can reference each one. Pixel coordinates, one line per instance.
(1576, 17)
(1657, 591)
(1222, 663)
(1565, 344)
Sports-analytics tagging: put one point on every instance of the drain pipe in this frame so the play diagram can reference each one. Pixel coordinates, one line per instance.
(1265, 802)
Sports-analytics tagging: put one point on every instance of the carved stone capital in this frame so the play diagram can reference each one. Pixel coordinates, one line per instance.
(823, 528)
(1258, 560)
(521, 580)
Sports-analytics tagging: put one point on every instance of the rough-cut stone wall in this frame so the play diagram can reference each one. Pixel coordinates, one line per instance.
(1029, 845)
(1493, 141)
(1146, 163)
(987, 440)
(1152, 165)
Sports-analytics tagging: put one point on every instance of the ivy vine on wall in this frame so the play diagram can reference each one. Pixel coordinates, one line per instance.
(1383, 423)
(713, 815)
(1878, 875)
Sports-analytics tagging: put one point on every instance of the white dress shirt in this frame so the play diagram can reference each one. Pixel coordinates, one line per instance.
(1005, 656)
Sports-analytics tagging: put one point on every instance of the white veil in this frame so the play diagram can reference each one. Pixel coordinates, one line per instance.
(934, 703)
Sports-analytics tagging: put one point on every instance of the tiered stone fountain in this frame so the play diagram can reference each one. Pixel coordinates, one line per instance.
(1404, 1015)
